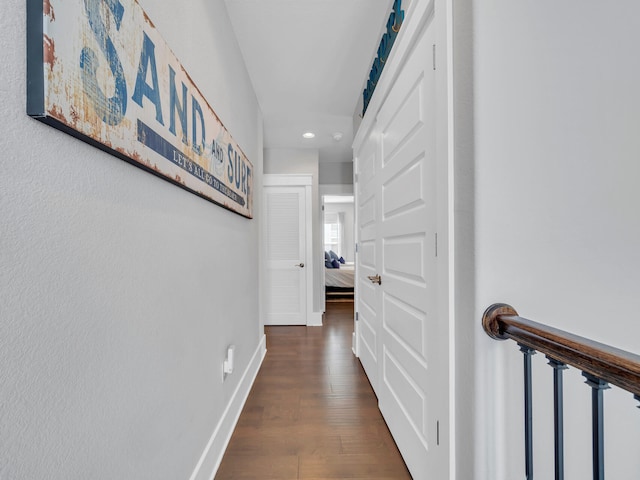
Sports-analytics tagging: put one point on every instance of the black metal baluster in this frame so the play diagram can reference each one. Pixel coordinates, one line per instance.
(528, 411)
(558, 416)
(597, 388)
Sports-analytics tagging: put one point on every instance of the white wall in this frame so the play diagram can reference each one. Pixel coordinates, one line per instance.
(336, 189)
(466, 356)
(557, 229)
(304, 161)
(336, 173)
(119, 291)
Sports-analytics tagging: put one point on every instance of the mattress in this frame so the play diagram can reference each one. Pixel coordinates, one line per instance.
(340, 277)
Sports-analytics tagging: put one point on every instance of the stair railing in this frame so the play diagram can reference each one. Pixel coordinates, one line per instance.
(600, 364)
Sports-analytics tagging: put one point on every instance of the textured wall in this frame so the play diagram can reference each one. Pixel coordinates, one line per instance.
(118, 291)
(557, 227)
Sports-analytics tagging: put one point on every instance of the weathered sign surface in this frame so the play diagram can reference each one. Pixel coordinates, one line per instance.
(99, 70)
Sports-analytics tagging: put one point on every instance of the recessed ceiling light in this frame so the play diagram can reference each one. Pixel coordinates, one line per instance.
(337, 136)
(309, 135)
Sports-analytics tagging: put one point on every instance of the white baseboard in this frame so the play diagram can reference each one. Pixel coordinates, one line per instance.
(214, 451)
(314, 319)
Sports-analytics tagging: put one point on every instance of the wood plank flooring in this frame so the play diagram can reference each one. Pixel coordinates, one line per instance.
(311, 413)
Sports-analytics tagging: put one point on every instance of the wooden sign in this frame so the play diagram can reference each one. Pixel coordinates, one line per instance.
(100, 71)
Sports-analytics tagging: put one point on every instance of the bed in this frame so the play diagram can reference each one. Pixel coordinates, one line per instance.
(339, 282)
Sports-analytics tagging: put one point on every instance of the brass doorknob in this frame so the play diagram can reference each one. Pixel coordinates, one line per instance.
(375, 279)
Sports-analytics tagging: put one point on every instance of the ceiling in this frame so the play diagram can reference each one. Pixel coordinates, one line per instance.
(308, 60)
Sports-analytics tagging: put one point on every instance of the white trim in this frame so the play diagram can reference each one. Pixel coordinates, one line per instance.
(211, 457)
(447, 37)
(306, 181)
(314, 319)
(309, 261)
(331, 199)
(356, 238)
(353, 344)
(323, 279)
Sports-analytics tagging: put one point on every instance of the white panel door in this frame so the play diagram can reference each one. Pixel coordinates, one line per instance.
(285, 287)
(412, 380)
(367, 296)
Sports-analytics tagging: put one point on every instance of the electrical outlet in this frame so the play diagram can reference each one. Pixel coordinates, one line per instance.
(227, 365)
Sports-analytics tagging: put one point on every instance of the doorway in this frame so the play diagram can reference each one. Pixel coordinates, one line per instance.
(339, 247)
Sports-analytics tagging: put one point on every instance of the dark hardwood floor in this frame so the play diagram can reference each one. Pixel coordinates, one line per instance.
(311, 413)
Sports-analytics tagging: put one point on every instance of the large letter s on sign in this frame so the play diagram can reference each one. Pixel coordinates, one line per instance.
(111, 110)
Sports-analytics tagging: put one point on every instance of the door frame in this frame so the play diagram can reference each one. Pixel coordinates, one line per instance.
(355, 342)
(289, 180)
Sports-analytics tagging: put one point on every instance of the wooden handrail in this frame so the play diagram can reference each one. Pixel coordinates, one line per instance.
(615, 366)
